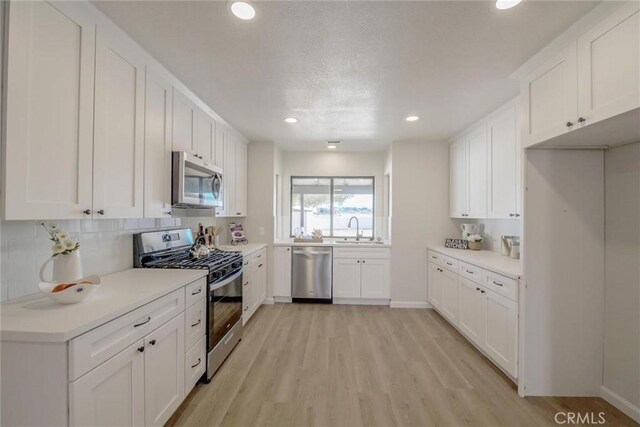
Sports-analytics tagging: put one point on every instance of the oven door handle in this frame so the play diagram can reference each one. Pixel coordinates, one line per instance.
(225, 282)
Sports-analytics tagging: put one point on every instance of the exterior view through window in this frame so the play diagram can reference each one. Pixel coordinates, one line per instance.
(327, 203)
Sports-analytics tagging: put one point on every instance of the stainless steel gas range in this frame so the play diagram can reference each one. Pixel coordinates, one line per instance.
(170, 249)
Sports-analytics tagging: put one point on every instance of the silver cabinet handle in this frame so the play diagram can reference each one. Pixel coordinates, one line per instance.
(197, 323)
(197, 363)
(143, 323)
(497, 284)
(259, 256)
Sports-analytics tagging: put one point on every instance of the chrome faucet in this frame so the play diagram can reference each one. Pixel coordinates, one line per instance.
(357, 227)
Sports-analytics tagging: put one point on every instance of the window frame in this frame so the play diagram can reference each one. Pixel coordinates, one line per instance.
(331, 194)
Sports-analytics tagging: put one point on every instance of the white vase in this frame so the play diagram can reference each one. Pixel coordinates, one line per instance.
(65, 267)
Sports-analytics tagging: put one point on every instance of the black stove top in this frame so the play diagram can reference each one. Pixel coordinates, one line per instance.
(215, 260)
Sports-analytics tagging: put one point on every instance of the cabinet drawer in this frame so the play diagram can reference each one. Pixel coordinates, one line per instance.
(96, 346)
(470, 271)
(434, 257)
(195, 323)
(500, 284)
(195, 291)
(256, 257)
(195, 363)
(359, 253)
(449, 263)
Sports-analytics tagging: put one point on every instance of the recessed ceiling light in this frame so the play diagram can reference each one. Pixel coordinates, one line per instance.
(291, 120)
(332, 147)
(412, 118)
(506, 4)
(243, 10)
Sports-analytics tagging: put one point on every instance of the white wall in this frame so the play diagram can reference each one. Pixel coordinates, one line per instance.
(622, 274)
(259, 224)
(333, 164)
(564, 272)
(420, 216)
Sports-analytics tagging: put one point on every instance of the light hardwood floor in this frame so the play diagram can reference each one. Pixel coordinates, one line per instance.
(336, 365)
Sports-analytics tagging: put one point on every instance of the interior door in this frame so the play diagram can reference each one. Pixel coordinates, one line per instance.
(157, 147)
(118, 131)
(375, 278)
(164, 371)
(434, 288)
(346, 278)
(49, 127)
(113, 394)
(500, 338)
(503, 159)
(609, 65)
(470, 316)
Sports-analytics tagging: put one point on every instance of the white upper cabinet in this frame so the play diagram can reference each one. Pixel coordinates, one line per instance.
(593, 78)
(234, 174)
(609, 66)
(550, 98)
(220, 136)
(49, 111)
(229, 175)
(157, 145)
(185, 119)
(118, 130)
(503, 154)
(468, 175)
(206, 136)
(458, 178)
(241, 178)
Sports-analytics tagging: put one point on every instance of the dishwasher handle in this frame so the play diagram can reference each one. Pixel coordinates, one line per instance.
(305, 251)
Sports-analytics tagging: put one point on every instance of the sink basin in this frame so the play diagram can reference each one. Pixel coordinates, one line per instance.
(361, 242)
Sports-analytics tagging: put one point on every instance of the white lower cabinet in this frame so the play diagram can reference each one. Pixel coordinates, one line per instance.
(195, 329)
(113, 394)
(282, 272)
(486, 315)
(360, 276)
(254, 283)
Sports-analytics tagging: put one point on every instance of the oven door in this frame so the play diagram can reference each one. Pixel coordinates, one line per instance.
(225, 308)
(195, 182)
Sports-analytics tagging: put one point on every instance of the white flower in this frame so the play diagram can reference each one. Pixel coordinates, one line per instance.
(62, 235)
(70, 244)
(58, 248)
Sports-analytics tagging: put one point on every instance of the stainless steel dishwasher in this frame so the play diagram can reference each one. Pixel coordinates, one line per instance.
(312, 271)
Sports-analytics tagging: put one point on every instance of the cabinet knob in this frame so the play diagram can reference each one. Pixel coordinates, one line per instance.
(141, 349)
(358, 261)
(569, 124)
(517, 215)
(246, 307)
(168, 213)
(481, 291)
(152, 342)
(477, 289)
(101, 211)
(363, 261)
(87, 211)
(581, 120)
(512, 214)
(238, 213)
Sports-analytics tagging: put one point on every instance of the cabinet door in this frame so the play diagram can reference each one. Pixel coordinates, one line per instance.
(157, 147)
(221, 137)
(261, 282)
(184, 125)
(249, 292)
(449, 299)
(164, 371)
(206, 136)
(346, 278)
(501, 330)
(458, 178)
(609, 65)
(470, 315)
(229, 175)
(375, 278)
(112, 394)
(477, 173)
(241, 179)
(550, 98)
(49, 111)
(503, 169)
(434, 287)
(118, 159)
(282, 272)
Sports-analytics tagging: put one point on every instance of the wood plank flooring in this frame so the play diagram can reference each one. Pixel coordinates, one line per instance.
(338, 365)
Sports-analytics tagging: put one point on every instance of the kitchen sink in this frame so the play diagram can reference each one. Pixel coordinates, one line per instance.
(361, 242)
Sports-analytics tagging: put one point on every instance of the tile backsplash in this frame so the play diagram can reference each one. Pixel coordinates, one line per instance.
(492, 229)
(106, 246)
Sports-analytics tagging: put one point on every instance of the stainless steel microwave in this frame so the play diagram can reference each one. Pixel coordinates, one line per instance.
(195, 183)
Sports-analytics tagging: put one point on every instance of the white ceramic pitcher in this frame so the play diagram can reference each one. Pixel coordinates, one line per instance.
(65, 268)
(468, 230)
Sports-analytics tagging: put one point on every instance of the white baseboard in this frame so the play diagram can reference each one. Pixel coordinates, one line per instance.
(361, 301)
(268, 301)
(285, 300)
(621, 403)
(409, 304)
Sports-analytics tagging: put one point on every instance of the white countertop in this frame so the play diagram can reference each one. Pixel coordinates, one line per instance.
(246, 250)
(332, 242)
(487, 259)
(38, 318)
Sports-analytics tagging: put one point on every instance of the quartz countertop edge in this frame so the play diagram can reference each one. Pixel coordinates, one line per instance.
(36, 318)
(246, 250)
(332, 242)
(485, 259)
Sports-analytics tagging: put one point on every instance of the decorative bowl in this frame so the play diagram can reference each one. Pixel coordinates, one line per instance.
(73, 293)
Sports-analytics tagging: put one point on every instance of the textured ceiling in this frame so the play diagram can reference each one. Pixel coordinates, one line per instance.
(347, 70)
